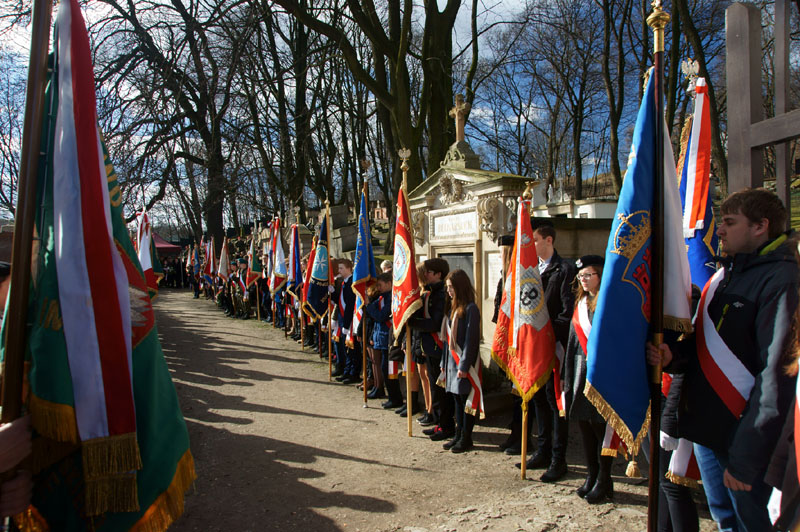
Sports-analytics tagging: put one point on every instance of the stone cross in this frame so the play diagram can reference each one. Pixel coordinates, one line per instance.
(459, 113)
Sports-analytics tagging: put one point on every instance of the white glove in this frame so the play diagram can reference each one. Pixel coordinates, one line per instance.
(774, 505)
(331, 289)
(668, 443)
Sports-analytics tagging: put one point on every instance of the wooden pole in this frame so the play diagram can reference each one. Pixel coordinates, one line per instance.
(364, 357)
(657, 20)
(364, 303)
(13, 366)
(302, 320)
(409, 376)
(328, 246)
(524, 461)
(258, 304)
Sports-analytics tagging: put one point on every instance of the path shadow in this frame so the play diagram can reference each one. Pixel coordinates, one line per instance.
(252, 482)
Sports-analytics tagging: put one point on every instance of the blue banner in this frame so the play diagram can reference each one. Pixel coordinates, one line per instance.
(364, 274)
(617, 379)
(316, 304)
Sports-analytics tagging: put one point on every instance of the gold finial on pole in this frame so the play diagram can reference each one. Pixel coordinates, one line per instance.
(404, 154)
(528, 194)
(658, 20)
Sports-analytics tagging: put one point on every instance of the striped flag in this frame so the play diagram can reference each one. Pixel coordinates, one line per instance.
(524, 343)
(294, 273)
(224, 268)
(209, 268)
(98, 379)
(145, 251)
(278, 278)
(695, 190)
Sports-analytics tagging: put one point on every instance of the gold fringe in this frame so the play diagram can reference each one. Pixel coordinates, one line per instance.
(682, 325)
(409, 311)
(54, 420)
(682, 481)
(683, 148)
(113, 493)
(110, 456)
(608, 413)
(535, 387)
(609, 452)
(169, 505)
(471, 411)
(31, 520)
(632, 471)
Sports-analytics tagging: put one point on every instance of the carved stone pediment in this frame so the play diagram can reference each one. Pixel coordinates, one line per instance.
(451, 190)
(460, 155)
(487, 213)
(418, 224)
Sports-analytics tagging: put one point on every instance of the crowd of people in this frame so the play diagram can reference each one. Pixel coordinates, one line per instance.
(746, 324)
(744, 458)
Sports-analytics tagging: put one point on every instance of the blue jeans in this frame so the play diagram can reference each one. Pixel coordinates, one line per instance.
(735, 511)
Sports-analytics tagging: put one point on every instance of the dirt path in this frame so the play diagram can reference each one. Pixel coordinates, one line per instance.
(278, 447)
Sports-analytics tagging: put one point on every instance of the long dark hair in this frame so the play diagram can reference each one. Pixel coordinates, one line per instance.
(581, 293)
(463, 292)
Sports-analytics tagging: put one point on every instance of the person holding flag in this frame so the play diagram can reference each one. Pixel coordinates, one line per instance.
(364, 276)
(99, 387)
(736, 393)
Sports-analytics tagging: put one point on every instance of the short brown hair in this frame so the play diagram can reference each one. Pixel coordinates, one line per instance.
(437, 265)
(545, 231)
(347, 264)
(756, 204)
(385, 277)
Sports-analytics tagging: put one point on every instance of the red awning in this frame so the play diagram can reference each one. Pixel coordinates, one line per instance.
(164, 247)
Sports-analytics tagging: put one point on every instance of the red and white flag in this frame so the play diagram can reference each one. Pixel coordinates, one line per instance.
(224, 268)
(143, 242)
(698, 160)
(524, 343)
(406, 293)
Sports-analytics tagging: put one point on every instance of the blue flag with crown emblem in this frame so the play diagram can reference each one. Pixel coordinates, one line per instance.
(617, 375)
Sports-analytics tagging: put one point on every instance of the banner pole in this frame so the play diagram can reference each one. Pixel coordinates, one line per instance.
(14, 366)
(258, 304)
(524, 462)
(657, 20)
(364, 303)
(409, 376)
(330, 324)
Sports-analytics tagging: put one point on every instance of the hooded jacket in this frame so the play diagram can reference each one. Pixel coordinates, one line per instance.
(753, 310)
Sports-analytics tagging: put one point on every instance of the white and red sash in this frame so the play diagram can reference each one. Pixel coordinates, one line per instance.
(728, 377)
(683, 468)
(474, 405)
(582, 324)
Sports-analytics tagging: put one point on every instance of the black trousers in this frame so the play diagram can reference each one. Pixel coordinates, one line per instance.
(677, 511)
(465, 422)
(552, 428)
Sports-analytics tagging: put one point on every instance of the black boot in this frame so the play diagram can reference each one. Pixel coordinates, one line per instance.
(591, 450)
(414, 402)
(395, 396)
(603, 488)
(513, 441)
(465, 443)
(451, 443)
(556, 471)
